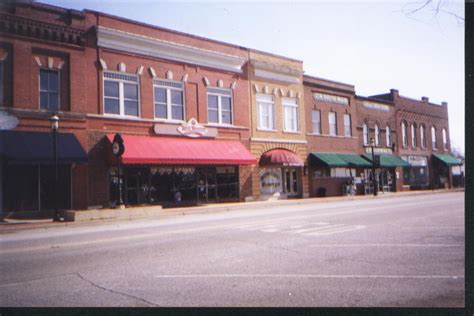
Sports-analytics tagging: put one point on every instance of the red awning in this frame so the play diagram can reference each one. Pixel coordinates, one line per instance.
(280, 157)
(168, 150)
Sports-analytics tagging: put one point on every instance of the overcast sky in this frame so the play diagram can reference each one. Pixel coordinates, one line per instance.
(374, 45)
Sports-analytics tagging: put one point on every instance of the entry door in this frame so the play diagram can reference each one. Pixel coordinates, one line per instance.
(206, 185)
(291, 181)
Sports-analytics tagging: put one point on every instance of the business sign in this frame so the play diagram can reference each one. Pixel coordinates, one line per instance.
(7, 121)
(190, 128)
(378, 151)
(419, 161)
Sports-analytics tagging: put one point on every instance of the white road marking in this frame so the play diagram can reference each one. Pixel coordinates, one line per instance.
(386, 245)
(336, 230)
(311, 276)
(299, 231)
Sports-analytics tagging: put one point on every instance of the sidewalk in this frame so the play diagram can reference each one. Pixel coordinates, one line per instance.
(10, 225)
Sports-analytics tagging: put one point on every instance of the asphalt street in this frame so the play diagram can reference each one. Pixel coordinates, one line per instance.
(403, 251)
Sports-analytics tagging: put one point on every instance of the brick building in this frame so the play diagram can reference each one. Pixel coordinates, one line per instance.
(423, 141)
(277, 126)
(201, 120)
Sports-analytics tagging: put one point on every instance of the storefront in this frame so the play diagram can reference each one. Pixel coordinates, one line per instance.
(28, 172)
(444, 168)
(170, 171)
(280, 174)
(332, 174)
(389, 172)
(416, 173)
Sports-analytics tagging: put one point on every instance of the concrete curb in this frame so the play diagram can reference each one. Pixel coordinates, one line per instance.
(155, 212)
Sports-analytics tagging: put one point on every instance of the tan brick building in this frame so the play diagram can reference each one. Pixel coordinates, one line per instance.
(278, 126)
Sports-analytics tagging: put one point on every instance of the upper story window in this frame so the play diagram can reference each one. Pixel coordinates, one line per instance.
(377, 135)
(347, 125)
(2, 86)
(413, 135)
(404, 135)
(121, 94)
(445, 139)
(365, 133)
(388, 136)
(433, 138)
(290, 114)
(422, 137)
(219, 106)
(332, 124)
(266, 112)
(49, 89)
(316, 120)
(169, 99)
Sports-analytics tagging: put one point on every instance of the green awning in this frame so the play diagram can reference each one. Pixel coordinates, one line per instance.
(448, 159)
(388, 161)
(341, 160)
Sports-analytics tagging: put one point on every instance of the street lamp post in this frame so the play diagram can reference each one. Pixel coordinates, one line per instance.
(54, 120)
(374, 181)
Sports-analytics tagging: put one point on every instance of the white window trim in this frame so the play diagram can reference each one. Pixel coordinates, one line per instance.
(413, 136)
(272, 103)
(388, 136)
(219, 106)
(377, 135)
(295, 108)
(335, 123)
(168, 101)
(422, 137)
(404, 135)
(121, 98)
(39, 87)
(434, 142)
(365, 134)
(445, 138)
(313, 122)
(350, 125)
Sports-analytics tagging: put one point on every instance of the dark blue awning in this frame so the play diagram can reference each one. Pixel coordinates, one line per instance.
(37, 147)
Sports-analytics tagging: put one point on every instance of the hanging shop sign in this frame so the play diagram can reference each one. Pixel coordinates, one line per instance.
(191, 128)
(7, 121)
(378, 150)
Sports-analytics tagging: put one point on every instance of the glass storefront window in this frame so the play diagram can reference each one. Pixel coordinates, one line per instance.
(270, 180)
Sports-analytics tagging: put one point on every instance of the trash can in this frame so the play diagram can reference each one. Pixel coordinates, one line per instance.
(321, 192)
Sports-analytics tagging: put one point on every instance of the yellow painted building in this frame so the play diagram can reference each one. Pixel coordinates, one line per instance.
(277, 120)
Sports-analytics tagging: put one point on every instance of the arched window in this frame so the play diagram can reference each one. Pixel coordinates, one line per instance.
(365, 133)
(388, 136)
(422, 137)
(377, 135)
(413, 135)
(404, 135)
(433, 138)
(445, 139)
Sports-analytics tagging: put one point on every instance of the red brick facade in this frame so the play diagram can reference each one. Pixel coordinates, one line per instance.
(79, 46)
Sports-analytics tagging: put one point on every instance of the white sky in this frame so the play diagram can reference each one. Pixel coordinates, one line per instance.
(374, 45)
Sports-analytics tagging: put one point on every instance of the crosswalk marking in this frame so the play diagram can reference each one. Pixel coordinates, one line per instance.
(306, 229)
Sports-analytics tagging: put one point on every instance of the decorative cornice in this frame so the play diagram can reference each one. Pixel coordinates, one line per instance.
(139, 44)
(275, 72)
(41, 30)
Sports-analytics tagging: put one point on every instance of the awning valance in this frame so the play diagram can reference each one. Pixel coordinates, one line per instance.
(171, 150)
(448, 159)
(388, 161)
(37, 147)
(280, 157)
(340, 160)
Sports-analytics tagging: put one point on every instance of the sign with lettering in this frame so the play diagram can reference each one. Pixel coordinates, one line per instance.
(7, 121)
(190, 128)
(421, 161)
(387, 151)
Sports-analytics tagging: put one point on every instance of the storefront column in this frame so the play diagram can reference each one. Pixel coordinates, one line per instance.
(1, 189)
